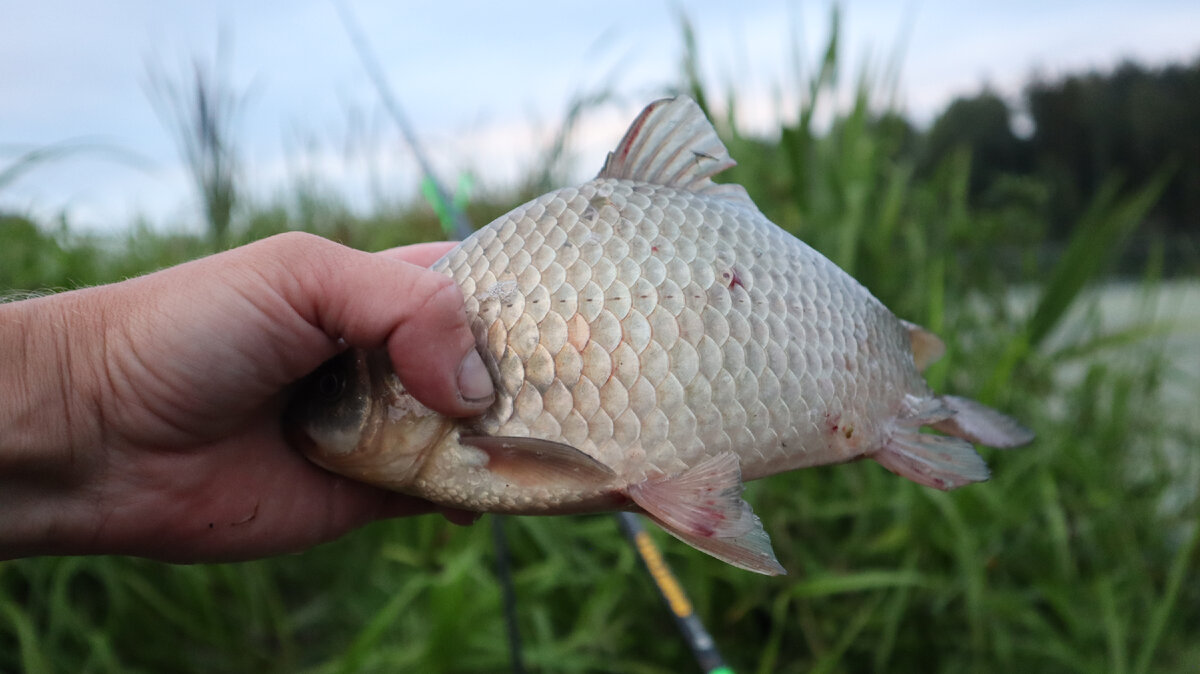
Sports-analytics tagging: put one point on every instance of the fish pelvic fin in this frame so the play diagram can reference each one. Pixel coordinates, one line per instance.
(672, 143)
(947, 461)
(703, 507)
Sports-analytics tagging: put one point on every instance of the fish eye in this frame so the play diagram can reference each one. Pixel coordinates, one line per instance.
(331, 385)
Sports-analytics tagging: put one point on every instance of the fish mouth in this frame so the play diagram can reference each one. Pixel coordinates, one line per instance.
(332, 403)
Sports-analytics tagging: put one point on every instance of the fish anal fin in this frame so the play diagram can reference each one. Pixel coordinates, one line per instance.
(927, 347)
(936, 461)
(981, 424)
(703, 507)
(534, 462)
(672, 143)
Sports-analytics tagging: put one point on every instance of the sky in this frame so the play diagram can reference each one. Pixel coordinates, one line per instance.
(485, 84)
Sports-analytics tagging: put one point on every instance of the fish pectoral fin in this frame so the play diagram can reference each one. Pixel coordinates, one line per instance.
(703, 507)
(530, 461)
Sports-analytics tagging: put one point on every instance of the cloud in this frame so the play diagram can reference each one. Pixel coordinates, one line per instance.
(486, 87)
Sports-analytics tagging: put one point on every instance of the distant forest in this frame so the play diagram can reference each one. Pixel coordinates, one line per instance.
(1129, 124)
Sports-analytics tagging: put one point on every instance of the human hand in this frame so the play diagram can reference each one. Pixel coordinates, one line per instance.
(146, 419)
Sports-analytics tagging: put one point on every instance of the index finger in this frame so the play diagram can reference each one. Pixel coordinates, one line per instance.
(423, 254)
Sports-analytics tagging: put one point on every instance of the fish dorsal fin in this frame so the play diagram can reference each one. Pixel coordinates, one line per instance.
(927, 347)
(672, 143)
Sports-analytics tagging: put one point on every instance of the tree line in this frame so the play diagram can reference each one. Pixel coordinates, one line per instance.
(1081, 130)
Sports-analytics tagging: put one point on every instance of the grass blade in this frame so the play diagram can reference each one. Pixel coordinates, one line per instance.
(31, 658)
(1166, 604)
(1095, 242)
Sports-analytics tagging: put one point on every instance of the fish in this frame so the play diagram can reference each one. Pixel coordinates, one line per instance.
(655, 342)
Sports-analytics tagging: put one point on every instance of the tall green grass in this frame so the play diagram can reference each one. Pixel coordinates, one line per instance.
(1067, 560)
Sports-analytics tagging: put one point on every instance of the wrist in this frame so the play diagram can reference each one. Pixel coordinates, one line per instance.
(49, 426)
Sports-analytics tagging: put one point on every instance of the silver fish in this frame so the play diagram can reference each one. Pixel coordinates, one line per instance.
(654, 341)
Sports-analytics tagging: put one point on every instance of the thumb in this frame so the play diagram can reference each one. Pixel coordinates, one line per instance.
(373, 301)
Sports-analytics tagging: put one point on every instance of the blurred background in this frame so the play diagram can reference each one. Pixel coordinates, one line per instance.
(1023, 179)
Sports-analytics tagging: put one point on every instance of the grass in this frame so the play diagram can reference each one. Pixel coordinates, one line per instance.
(1067, 560)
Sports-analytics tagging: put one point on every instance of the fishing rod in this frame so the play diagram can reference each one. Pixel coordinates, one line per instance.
(453, 218)
(456, 224)
(704, 649)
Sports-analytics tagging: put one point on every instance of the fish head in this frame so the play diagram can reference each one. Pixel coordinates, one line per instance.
(353, 416)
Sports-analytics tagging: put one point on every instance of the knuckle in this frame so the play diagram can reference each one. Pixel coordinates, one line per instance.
(442, 300)
(288, 249)
(436, 324)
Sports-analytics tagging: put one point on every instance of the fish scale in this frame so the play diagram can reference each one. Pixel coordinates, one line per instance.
(647, 282)
(654, 341)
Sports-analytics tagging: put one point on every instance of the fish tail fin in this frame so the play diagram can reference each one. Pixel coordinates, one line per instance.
(981, 424)
(947, 461)
(703, 507)
(927, 347)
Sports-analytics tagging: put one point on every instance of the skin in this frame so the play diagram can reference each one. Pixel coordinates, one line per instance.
(143, 417)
